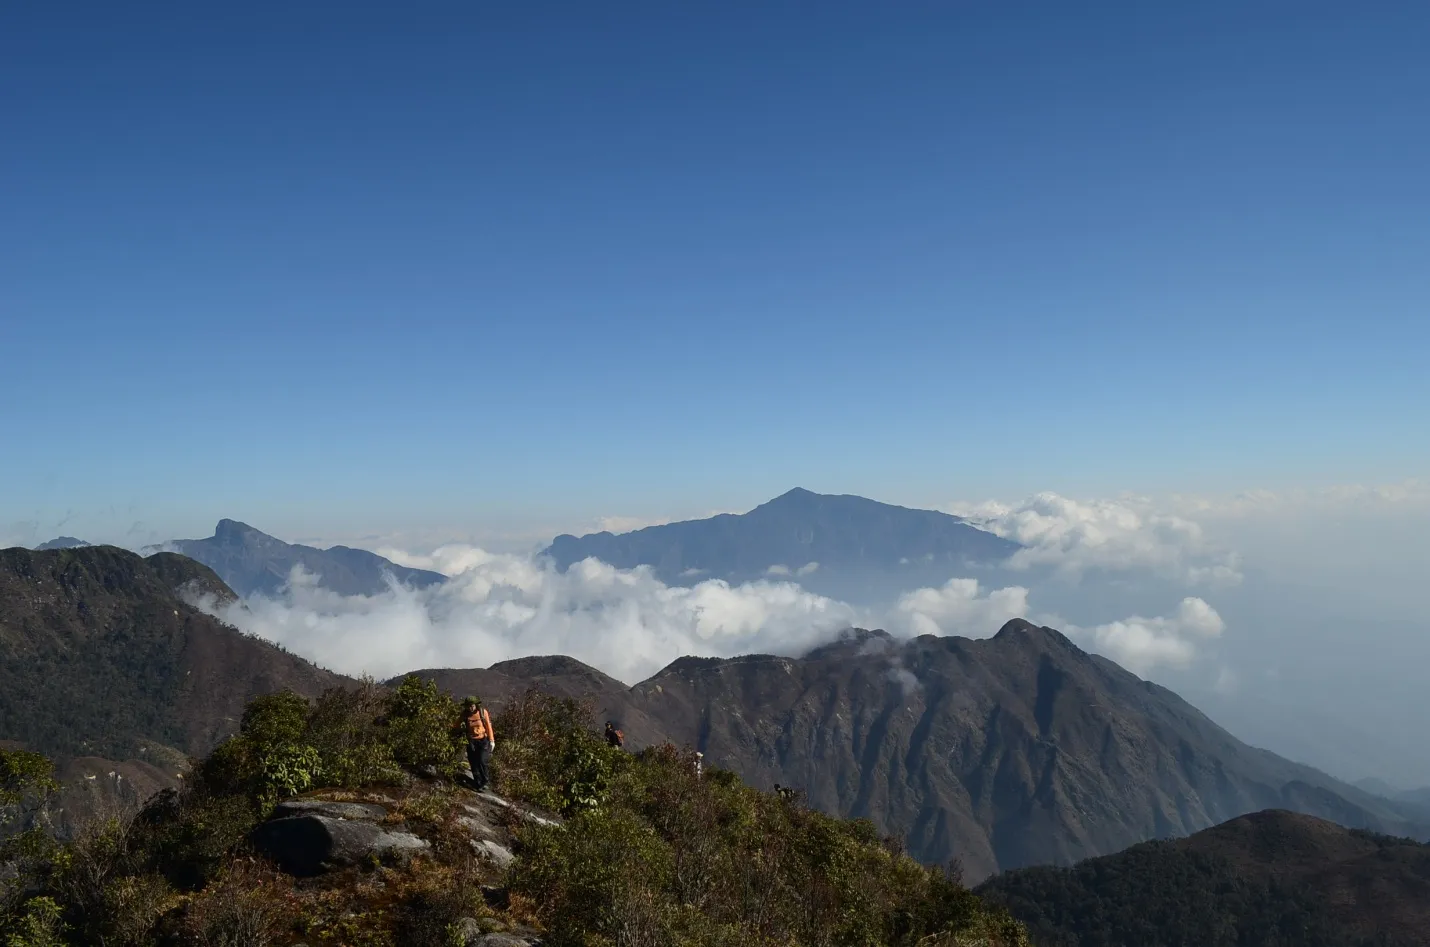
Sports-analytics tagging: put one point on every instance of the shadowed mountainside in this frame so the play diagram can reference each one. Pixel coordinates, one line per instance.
(808, 536)
(1015, 750)
(252, 562)
(1272, 877)
(101, 655)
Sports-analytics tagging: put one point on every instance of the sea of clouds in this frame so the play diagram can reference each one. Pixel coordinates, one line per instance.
(629, 624)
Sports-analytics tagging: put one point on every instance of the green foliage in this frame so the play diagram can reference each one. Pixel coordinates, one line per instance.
(650, 854)
(189, 834)
(592, 873)
(423, 727)
(26, 779)
(346, 728)
(666, 857)
(26, 785)
(240, 909)
(551, 756)
(40, 923)
(279, 719)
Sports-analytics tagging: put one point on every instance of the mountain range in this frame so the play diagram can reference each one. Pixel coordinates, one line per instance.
(1004, 752)
(1016, 750)
(848, 547)
(847, 544)
(253, 563)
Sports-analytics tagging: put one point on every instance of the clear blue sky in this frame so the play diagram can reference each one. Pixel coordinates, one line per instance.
(312, 264)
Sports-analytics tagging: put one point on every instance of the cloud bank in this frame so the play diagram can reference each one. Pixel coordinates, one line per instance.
(629, 624)
(1075, 537)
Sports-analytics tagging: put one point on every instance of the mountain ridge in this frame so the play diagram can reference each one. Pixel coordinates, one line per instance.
(823, 540)
(1005, 751)
(1272, 876)
(102, 634)
(252, 562)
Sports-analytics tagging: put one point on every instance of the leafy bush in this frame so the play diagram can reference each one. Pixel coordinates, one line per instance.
(26, 785)
(39, 923)
(347, 729)
(668, 857)
(423, 726)
(551, 756)
(593, 875)
(189, 834)
(241, 909)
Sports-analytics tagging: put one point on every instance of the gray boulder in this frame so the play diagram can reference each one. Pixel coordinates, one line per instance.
(471, 933)
(503, 940)
(493, 852)
(353, 811)
(309, 844)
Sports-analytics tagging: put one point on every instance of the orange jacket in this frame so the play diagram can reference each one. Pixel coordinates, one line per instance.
(479, 726)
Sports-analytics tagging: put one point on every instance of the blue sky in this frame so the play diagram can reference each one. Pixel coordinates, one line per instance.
(370, 265)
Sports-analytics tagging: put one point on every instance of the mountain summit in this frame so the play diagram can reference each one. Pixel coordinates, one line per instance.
(800, 534)
(252, 562)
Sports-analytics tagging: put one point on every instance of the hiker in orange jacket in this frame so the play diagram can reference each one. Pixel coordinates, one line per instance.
(614, 737)
(481, 740)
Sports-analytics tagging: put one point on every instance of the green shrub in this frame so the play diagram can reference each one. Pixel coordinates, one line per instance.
(593, 876)
(39, 923)
(550, 755)
(423, 727)
(188, 834)
(26, 785)
(671, 858)
(346, 729)
(276, 719)
(240, 909)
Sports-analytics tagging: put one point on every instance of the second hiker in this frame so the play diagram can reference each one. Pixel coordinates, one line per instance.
(614, 737)
(481, 740)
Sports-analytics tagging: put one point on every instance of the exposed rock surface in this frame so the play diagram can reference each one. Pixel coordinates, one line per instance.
(309, 844)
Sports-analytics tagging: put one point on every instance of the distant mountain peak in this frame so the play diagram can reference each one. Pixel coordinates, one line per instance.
(253, 562)
(828, 541)
(797, 495)
(1021, 630)
(1020, 626)
(230, 531)
(62, 542)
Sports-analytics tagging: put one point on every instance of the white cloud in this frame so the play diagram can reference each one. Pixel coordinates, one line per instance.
(809, 568)
(500, 606)
(777, 570)
(629, 624)
(958, 607)
(1075, 537)
(1141, 644)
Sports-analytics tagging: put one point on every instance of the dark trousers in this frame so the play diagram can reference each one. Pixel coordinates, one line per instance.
(479, 754)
